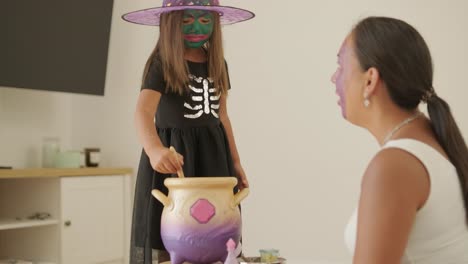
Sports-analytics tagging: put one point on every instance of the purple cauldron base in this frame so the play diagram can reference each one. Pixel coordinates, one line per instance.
(198, 248)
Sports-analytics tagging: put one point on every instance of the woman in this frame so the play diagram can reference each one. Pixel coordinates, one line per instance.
(413, 200)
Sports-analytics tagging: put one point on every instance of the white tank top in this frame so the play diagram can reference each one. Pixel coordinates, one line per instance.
(440, 233)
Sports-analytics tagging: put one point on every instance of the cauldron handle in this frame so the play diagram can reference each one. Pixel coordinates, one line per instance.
(166, 201)
(238, 197)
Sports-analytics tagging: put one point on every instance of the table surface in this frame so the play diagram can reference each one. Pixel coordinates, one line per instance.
(59, 172)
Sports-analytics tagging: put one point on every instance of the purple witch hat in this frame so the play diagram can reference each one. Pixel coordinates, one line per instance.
(150, 16)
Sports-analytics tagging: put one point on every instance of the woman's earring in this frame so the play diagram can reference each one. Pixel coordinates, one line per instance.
(366, 100)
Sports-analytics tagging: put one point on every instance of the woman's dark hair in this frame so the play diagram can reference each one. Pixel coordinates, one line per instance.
(404, 62)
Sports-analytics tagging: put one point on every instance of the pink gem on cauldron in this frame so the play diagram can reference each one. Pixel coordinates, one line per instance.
(202, 210)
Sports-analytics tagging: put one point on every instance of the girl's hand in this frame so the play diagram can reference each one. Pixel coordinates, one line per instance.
(166, 161)
(241, 178)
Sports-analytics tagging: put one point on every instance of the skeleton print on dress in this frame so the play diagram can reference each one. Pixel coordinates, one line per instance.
(203, 99)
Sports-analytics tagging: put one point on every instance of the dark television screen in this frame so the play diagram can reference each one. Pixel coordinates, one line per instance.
(55, 45)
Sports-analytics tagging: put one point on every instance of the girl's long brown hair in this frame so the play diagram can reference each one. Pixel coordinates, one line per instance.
(169, 52)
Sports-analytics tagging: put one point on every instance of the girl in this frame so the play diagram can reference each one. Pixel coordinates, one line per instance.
(182, 103)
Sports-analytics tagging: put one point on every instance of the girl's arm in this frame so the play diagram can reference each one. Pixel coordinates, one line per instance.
(223, 116)
(161, 158)
(394, 187)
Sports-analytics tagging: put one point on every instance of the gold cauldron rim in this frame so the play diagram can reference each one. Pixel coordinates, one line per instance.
(196, 182)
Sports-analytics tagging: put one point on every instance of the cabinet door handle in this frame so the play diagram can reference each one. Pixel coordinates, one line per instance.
(68, 223)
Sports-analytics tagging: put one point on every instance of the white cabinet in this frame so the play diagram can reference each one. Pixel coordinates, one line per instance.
(89, 217)
(92, 216)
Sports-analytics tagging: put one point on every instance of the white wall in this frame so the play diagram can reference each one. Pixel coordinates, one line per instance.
(26, 117)
(303, 160)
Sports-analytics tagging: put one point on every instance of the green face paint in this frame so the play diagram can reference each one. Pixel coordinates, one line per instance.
(197, 27)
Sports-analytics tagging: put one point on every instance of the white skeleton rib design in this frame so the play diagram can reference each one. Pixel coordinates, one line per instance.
(205, 97)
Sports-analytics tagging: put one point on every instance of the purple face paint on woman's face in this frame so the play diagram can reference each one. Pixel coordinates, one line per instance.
(349, 79)
(338, 80)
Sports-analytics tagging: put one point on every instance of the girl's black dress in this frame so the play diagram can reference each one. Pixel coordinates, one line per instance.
(190, 123)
